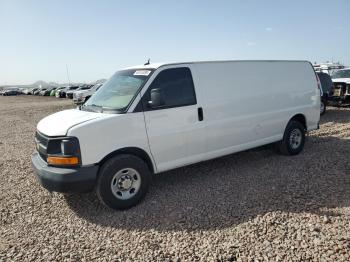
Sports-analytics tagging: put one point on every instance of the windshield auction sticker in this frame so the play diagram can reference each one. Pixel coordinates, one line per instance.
(142, 73)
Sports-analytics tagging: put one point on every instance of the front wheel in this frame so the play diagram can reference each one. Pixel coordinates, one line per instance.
(293, 139)
(123, 181)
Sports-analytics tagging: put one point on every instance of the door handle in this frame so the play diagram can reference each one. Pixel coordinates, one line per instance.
(200, 114)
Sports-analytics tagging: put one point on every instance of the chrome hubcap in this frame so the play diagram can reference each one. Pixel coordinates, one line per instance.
(295, 138)
(125, 183)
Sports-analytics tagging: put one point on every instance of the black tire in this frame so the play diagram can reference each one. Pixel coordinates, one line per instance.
(324, 107)
(286, 146)
(107, 173)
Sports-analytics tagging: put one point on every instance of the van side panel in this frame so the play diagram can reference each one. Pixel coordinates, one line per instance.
(249, 103)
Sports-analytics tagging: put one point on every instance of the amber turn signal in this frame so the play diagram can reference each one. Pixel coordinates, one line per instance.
(62, 161)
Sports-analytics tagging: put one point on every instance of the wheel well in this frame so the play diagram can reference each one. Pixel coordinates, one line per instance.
(301, 119)
(130, 151)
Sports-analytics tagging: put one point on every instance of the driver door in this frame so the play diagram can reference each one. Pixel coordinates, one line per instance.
(174, 125)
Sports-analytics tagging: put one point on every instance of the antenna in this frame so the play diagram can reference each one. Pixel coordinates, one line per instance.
(67, 74)
(148, 62)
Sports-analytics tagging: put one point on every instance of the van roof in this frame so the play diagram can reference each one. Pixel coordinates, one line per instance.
(157, 65)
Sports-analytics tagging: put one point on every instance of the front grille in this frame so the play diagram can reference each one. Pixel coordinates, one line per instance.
(41, 142)
(339, 89)
(41, 138)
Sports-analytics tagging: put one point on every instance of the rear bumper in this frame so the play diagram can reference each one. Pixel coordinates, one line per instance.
(64, 179)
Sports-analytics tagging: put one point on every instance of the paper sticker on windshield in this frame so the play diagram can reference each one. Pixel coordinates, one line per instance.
(142, 73)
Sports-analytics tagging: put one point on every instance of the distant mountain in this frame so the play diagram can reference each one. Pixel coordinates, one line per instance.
(49, 84)
(53, 84)
(40, 83)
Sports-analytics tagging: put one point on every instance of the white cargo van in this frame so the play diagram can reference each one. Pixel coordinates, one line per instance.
(152, 118)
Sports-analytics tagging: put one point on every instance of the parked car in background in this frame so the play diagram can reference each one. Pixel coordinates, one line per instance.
(42, 91)
(326, 87)
(37, 92)
(328, 68)
(32, 92)
(70, 93)
(25, 91)
(53, 91)
(63, 92)
(59, 90)
(341, 91)
(29, 90)
(10, 92)
(81, 96)
(46, 91)
(156, 117)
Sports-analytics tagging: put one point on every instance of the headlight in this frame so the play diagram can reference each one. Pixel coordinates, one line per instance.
(63, 152)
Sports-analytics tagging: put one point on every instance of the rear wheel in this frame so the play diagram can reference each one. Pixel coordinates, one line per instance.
(123, 181)
(293, 139)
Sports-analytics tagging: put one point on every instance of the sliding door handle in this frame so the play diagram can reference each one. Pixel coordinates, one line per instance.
(200, 114)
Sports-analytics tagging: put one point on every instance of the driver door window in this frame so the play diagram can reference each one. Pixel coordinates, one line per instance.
(176, 88)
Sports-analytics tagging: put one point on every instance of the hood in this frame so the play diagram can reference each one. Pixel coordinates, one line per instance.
(59, 123)
(344, 80)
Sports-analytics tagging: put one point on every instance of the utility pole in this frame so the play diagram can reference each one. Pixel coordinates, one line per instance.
(67, 74)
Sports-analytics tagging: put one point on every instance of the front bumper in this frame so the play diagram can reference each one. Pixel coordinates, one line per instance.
(339, 99)
(57, 179)
(78, 100)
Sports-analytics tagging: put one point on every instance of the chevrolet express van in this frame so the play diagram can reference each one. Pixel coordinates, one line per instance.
(152, 118)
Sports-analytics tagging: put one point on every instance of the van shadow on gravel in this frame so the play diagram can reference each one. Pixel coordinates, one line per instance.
(339, 114)
(233, 189)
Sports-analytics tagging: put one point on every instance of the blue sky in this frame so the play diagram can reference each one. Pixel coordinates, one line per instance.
(96, 38)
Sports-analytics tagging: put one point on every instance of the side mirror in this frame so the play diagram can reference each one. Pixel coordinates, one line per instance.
(156, 98)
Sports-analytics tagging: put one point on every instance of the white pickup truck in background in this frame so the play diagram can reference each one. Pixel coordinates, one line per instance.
(81, 96)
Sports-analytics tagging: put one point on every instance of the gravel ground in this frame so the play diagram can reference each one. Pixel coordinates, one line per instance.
(253, 205)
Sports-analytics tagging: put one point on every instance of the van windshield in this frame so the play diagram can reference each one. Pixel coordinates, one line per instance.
(118, 92)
